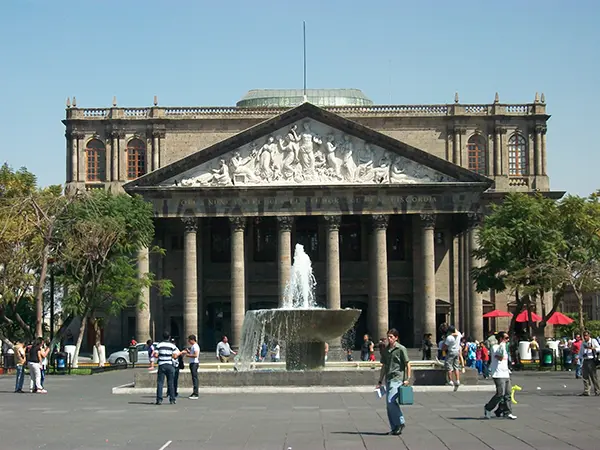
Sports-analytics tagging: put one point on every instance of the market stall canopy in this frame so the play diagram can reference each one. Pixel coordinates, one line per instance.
(559, 319)
(522, 317)
(496, 313)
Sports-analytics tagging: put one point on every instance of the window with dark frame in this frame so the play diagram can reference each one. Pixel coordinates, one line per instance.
(517, 156)
(95, 158)
(220, 240)
(395, 239)
(350, 239)
(476, 154)
(265, 239)
(307, 234)
(136, 159)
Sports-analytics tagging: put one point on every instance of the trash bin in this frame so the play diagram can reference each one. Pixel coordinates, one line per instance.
(547, 359)
(9, 361)
(61, 359)
(567, 358)
(133, 355)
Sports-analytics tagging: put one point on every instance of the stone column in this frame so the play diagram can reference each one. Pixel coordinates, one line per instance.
(156, 136)
(544, 154)
(238, 278)
(475, 298)
(190, 277)
(379, 222)
(76, 157)
(456, 147)
(428, 272)
(497, 152)
(142, 310)
(114, 149)
(334, 298)
(538, 150)
(284, 250)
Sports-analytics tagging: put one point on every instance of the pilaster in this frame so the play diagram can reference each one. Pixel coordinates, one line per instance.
(157, 135)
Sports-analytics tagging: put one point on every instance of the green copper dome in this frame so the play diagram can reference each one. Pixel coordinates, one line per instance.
(278, 98)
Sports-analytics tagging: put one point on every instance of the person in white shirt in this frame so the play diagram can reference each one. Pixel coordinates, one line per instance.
(453, 356)
(224, 351)
(193, 353)
(587, 354)
(501, 376)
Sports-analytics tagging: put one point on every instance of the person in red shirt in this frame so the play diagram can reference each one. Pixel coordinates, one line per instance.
(485, 360)
(575, 348)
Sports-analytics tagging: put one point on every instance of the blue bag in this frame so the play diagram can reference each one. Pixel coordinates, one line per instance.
(405, 395)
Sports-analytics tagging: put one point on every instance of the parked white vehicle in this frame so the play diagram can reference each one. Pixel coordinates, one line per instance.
(122, 356)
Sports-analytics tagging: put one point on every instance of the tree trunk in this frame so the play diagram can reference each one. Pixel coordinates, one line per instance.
(80, 339)
(39, 294)
(97, 337)
(579, 309)
(59, 334)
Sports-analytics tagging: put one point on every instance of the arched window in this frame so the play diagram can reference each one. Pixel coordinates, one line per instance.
(517, 155)
(476, 154)
(136, 159)
(95, 158)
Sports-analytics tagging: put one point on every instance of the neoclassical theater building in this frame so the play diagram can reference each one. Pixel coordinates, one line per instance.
(384, 199)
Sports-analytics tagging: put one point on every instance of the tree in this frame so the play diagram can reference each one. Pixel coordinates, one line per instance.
(578, 265)
(101, 234)
(518, 244)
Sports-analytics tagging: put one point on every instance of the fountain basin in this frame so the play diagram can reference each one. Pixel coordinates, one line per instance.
(304, 331)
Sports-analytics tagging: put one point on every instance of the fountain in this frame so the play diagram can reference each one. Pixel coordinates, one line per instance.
(300, 323)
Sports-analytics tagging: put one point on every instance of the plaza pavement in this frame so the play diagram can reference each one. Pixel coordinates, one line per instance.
(79, 412)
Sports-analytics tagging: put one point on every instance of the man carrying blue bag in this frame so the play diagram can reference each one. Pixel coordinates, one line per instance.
(395, 370)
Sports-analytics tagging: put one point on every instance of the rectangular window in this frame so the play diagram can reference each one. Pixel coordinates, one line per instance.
(265, 239)
(220, 240)
(350, 245)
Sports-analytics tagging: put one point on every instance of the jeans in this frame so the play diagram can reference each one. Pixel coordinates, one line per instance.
(194, 372)
(20, 377)
(394, 412)
(165, 370)
(484, 369)
(578, 367)
(479, 366)
(502, 395)
(35, 371)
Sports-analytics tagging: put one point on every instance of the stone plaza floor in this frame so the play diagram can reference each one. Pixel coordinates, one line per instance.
(79, 412)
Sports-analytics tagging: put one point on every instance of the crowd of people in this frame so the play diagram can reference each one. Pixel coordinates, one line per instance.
(33, 356)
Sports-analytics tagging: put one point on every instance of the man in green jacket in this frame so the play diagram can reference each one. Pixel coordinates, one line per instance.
(395, 370)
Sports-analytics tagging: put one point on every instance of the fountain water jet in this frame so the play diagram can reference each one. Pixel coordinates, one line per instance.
(300, 323)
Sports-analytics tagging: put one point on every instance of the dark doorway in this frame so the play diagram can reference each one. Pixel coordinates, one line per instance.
(175, 329)
(400, 315)
(354, 336)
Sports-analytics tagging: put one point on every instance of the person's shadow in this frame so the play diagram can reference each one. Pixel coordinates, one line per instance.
(361, 433)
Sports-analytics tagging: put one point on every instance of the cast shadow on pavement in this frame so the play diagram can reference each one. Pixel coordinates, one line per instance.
(361, 433)
(141, 403)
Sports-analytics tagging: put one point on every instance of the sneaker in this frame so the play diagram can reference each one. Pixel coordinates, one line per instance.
(450, 383)
(511, 416)
(42, 391)
(193, 397)
(172, 402)
(487, 414)
(158, 402)
(398, 431)
(456, 386)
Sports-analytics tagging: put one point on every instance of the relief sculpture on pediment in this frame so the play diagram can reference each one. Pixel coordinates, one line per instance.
(310, 154)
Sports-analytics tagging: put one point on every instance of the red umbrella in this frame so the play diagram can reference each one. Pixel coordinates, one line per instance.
(522, 317)
(497, 313)
(559, 319)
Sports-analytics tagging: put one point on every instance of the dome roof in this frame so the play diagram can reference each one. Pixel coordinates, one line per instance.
(277, 98)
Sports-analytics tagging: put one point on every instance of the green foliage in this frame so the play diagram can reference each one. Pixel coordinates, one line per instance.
(593, 326)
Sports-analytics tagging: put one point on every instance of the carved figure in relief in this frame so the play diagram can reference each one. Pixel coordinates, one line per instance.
(221, 175)
(265, 159)
(348, 168)
(398, 172)
(289, 149)
(382, 171)
(306, 150)
(243, 167)
(333, 162)
(364, 171)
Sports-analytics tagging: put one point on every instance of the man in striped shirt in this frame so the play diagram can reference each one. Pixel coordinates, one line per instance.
(167, 353)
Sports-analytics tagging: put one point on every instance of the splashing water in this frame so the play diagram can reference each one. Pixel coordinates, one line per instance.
(300, 291)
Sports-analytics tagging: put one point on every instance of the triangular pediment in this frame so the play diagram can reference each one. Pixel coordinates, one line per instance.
(307, 146)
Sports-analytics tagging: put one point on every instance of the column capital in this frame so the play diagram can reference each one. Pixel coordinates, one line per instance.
(158, 133)
(285, 223)
(541, 129)
(500, 130)
(117, 134)
(474, 219)
(77, 134)
(190, 223)
(379, 221)
(460, 129)
(237, 223)
(428, 220)
(333, 222)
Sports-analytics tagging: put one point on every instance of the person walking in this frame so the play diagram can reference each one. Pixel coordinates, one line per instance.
(426, 346)
(453, 356)
(193, 353)
(395, 371)
(166, 352)
(501, 376)
(575, 350)
(20, 362)
(224, 350)
(36, 356)
(587, 356)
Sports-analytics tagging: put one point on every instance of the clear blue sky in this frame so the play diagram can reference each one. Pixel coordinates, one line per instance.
(211, 53)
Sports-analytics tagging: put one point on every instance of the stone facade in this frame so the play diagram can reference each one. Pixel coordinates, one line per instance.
(399, 251)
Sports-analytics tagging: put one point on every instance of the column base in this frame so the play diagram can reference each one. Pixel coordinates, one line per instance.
(305, 356)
